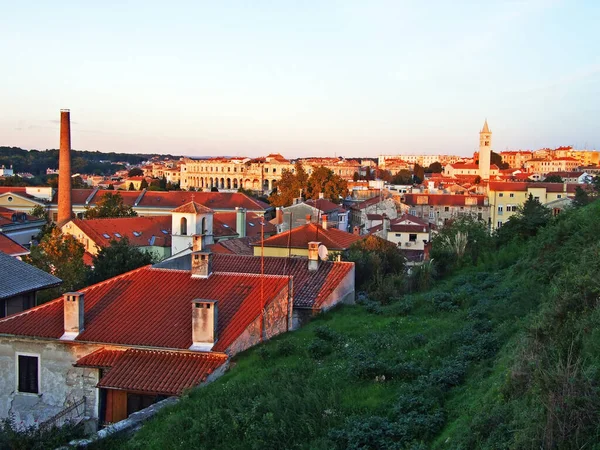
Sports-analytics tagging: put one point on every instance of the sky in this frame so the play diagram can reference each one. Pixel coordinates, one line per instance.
(325, 77)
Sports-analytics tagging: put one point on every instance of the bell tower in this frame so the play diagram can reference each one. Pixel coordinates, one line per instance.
(485, 151)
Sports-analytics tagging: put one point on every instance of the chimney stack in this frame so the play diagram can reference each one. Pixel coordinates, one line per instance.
(308, 218)
(197, 243)
(64, 169)
(321, 195)
(73, 315)
(279, 215)
(356, 230)
(240, 221)
(324, 221)
(204, 324)
(202, 264)
(313, 255)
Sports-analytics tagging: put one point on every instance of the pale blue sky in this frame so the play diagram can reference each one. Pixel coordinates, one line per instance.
(345, 77)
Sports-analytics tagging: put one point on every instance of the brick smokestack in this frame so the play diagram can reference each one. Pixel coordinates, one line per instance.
(65, 210)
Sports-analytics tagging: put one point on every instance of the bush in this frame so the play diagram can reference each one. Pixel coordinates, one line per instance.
(33, 438)
(319, 348)
(443, 301)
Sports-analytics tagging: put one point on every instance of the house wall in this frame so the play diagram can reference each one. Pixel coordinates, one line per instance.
(60, 383)
(281, 252)
(277, 320)
(401, 239)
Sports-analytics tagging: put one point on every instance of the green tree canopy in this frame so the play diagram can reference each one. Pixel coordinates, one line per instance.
(402, 177)
(62, 256)
(553, 179)
(135, 172)
(110, 205)
(119, 257)
(435, 167)
(40, 212)
(144, 184)
(374, 257)
(530, 217)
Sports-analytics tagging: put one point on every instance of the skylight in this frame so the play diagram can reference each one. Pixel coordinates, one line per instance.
(151, 240)
(164, 231)
(137, 233)
(251, 224)
(225, 225)
(106, 236)
(117, 235)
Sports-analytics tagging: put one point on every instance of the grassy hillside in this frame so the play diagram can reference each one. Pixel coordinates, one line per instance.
(504, 354)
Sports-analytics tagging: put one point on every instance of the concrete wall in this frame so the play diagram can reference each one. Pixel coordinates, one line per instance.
(61, 384)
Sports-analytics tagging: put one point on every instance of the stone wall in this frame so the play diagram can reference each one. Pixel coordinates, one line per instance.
(61, 384)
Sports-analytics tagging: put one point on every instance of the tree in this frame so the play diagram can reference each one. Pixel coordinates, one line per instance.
(460, 241)
(495, 158)
(418, 173)
(110, 205)
(323, 180)
(119, 257)
(582, 198)
(355, 177)
(135, 172)
(374, 258)
(286, 190)
(62, 256)
(530, 217)
(144, 184)
(40, 212)
(553, 179)
(435, 167)
(111, 187)
(402, 177)
(131, 187)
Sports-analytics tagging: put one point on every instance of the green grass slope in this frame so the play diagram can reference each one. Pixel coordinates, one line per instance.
(502, 355)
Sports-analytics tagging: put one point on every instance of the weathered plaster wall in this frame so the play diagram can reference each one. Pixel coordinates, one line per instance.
(343, 293)
(275, 323)
(60, 383)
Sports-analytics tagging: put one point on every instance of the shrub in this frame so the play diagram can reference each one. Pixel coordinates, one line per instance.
(443, 301)
(319, 348)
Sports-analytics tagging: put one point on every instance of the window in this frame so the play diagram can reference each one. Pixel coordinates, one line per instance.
(183, 226)
(501, 194)
(412, 237)
(559, 196)
(398, 235)
(536, 198)
(27, 366)
(511, 195)
(117, 235)
(500, 209)
(446, 208)
(499, 224)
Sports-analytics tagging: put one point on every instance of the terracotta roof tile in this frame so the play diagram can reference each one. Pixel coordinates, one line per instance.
(160, 372)
(152, 307)
(332, 238)
(193, 208)
(252, 223)
(10, 247)
(140, 231)
(100, 358)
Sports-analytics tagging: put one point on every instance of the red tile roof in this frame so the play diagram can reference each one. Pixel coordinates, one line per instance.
(332, 238)
(10, 247)
(324, 205)
(237, 246)
(501, 186)
(100, 358)
(253, 221)
(6, 217)
(311, 288)
(140, 231)
(152, 307)
(160, 372)
(193, 208)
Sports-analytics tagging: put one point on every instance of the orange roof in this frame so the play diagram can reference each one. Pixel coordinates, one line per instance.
(100, 358)
(325, 205)
(193, 208)
(9, 216)
(152, 307)
(140, 231)
(253, 220)
(332, 238)
(10, 247)
(160, 372)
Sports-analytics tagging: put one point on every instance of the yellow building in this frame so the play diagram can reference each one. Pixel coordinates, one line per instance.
(505, 197)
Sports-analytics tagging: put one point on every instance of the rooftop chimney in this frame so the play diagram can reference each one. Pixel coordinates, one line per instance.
(321, 195)
(197, 243)
(73, 315)
(64, 168)
(324, 221)
(313, 255)
(308, 218)
(356, 230)
(240, 221)
(279, 215)
(204, 324)
(202, 264)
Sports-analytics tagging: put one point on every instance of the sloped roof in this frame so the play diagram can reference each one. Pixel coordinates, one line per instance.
(100, 358)
(332, 238)
(152, 307)
(6, 217)
(325, 205)
(10, 247)
(160, 372)
(19, 277)
(140, 231)
(485, 128)
(253, 221)
(193, 208)
(444, 199)
(238, 246)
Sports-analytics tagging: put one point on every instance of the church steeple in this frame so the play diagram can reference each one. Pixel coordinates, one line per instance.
(485, 151)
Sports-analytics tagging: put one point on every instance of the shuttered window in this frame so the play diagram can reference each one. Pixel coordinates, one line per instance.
(28, 374)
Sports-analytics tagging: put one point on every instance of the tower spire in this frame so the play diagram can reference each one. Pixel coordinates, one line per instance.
(485, 128)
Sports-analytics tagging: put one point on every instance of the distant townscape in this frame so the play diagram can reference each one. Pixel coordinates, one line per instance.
(123, 289)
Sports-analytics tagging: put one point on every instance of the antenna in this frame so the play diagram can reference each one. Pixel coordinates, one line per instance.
(323, 252)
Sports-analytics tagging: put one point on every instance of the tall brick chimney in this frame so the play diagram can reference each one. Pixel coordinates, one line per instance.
(65, 210)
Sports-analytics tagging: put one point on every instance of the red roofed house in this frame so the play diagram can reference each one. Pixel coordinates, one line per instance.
(123, 344)
(296, 242)
(19, 226)
(11, 248)
(295, 215)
